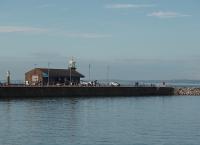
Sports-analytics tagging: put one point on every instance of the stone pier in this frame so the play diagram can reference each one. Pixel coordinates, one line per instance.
(26, 92)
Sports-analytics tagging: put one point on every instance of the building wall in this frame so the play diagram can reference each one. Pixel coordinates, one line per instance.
(52, 80)
(34, 72)
(61, 80)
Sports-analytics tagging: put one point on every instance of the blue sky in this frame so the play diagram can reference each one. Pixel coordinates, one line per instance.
(138, 39)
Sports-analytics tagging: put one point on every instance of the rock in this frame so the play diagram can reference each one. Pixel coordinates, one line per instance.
(188, 91)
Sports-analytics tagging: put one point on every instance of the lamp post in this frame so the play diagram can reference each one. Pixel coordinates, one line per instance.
(89, 71)
(8, 77)
(70, 75)
(48, 73)
(107, 73)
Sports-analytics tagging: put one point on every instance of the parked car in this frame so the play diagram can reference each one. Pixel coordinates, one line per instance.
(114, 84)
(82, 83)
(58, 84)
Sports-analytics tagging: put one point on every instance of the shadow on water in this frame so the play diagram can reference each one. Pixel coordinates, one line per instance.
(75, 99)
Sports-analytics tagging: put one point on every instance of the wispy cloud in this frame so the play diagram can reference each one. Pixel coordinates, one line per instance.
(125, 6)
(87, 35)
(46, 6)
(12, 29)
(34, 30)
(162, 14)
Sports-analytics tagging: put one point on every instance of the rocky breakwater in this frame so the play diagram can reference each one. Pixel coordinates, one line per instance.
(188, 91)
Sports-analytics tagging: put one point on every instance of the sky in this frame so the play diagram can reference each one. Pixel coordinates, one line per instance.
(135, 39)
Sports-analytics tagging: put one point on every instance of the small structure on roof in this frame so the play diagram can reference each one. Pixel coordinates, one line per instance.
(50, 76)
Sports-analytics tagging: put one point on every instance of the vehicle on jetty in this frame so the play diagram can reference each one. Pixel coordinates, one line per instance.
(90, 83)
(114, 84)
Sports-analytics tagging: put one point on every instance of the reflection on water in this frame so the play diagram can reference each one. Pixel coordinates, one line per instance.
(101, 121)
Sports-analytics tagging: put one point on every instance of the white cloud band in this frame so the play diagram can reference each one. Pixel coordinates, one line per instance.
(125, 6)
(87, 35)
(161, 14)
(34, 30)
(12, 29)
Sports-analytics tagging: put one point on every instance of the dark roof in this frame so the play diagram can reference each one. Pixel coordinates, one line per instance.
(61, 72)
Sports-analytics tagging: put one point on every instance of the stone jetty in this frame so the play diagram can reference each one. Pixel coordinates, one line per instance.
(75, 91)
(187, 91)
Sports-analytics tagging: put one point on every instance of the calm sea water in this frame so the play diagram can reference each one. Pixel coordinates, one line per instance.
(101, 121)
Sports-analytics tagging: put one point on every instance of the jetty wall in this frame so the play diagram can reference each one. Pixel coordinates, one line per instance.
(25, 92)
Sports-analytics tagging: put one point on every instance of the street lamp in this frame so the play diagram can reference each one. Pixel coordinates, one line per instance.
(48, 73)
(70, 75)
(107, 73)
(89, 71)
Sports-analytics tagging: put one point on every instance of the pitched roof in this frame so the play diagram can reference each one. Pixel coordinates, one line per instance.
(61, 72)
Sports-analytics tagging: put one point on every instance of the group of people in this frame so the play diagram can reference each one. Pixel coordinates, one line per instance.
(137, 84)
(90, 83)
